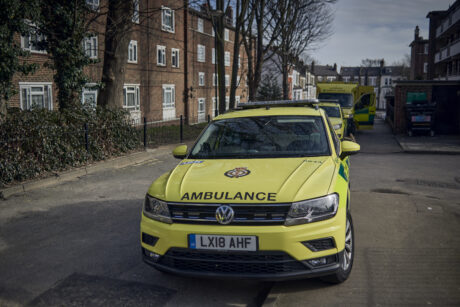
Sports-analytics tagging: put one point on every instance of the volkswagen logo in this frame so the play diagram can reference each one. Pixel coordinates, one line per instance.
(224, 214)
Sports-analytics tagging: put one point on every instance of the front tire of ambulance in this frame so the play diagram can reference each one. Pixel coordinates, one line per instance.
(346, 257)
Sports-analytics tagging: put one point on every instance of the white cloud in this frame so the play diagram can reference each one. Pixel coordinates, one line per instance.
(375, 29)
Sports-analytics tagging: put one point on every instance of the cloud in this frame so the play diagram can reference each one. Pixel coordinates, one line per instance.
(375, 29)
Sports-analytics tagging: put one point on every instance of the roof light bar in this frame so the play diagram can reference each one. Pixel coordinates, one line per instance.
(280, 103)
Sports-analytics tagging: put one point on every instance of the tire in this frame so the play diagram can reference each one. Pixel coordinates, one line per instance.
(346, 259)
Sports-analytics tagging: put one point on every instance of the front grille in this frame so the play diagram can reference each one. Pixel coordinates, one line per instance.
(261, 262)
(320, 244)
(247, 214)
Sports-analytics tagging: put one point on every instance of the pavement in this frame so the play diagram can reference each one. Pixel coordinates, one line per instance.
(441, 144)
(76, 242)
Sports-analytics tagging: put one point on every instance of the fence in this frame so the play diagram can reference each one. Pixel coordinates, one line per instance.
(157, 133)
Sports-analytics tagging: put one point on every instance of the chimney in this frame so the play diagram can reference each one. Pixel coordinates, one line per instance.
(312, 67)
(416, 33)
(335, 67)
(229, 15)
(382, 63)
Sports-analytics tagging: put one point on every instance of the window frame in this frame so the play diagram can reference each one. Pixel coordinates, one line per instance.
(177, 55)
(137, 97)
(29, 85)
(89, 89)
(201, 77)
(133, 46)
(164, 26)
(163, 55)
(200, 25)
(198, 57)
(93, 50)
(172, 89)
(226, 35)
(227, 58)
(135, 18)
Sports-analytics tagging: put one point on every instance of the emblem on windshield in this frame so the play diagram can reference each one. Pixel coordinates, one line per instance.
(237, 172)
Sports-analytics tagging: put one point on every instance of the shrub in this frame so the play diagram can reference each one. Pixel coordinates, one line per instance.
(39, 141)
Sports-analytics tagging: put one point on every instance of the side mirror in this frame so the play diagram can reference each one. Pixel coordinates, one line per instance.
(180, 152)
(349, 148)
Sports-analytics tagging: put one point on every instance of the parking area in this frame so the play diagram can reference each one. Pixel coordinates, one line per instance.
(77, 243)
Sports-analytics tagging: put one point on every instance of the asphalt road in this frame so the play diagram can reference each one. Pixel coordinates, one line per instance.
(77, 244)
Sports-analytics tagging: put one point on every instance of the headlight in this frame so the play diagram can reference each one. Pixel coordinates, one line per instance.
(313, 210)
(156, 209)
(337, 127)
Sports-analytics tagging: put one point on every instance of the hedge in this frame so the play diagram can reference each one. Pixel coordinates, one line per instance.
(39, 141)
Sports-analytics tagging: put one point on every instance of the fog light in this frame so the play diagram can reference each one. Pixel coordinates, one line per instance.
(153, 256)
(318, 262)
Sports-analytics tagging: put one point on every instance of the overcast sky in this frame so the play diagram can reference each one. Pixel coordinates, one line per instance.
(375, 29)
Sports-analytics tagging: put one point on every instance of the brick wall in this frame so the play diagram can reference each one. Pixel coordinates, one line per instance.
(146, 73)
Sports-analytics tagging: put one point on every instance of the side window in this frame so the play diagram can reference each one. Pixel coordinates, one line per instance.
(335, 139)
(364, 102)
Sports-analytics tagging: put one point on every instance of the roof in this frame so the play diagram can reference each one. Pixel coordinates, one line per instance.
(359, 71)
(324, 70)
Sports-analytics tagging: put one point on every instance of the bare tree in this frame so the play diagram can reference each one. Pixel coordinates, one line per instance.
(260, 31)
(305, 24)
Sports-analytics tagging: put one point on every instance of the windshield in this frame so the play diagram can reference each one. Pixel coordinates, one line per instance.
(263, 137)
(345, 100)
(332, 111)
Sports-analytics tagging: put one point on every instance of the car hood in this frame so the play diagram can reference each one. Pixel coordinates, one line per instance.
(246, 181)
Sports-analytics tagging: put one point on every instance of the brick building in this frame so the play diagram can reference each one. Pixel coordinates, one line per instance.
(171, 64)
(418, 57)
(444, 44)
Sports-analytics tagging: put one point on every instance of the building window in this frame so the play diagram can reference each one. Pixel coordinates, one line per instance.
(227, 58)
(227, 80)
(226, 35)
(200, 27)
(90, 46)
(237, 100)
(167, 19)
(201, 53)
(174, 57)
(320, 78)
(201, 78)
(169, 96)
(346, 79)
(426, 48)
(132, 52)
(31, 42)
(92, 4)
(239, 61)
(238, 79)
(131, 97)
(136, 11)
(213, 55)
(214, 79)
(213, 33)
(36, 95)
(215, 106)
(89, 95)
(201, 110)
(227, 102)
(425, 67)
(161, 55)
(373, 81)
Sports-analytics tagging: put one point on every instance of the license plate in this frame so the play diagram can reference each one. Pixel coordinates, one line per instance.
(219, 242)
(421, 118)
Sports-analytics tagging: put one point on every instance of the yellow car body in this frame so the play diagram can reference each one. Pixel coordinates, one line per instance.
(268, 197)
(334, 112)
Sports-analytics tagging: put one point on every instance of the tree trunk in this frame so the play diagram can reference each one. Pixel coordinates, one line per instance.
(220, 56)
(119, 23)
(285, 68)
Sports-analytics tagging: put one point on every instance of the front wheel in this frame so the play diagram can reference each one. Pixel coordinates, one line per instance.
(346, 257)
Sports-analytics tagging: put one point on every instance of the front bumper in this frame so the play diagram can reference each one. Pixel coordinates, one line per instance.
(270, 266)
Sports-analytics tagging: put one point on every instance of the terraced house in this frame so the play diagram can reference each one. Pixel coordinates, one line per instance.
(170, 69)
